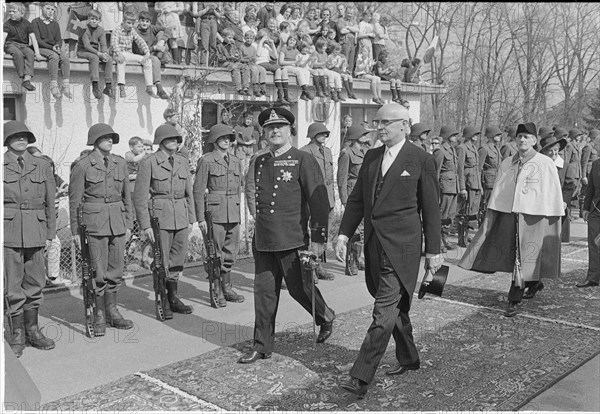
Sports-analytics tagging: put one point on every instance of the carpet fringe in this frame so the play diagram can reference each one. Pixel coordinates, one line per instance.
(205, 404)
(525, 315)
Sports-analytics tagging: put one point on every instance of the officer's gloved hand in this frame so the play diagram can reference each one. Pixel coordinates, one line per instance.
(340, 248)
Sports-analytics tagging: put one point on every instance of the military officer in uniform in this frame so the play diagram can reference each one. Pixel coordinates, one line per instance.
(572, 156)
(446, 161)
(29, 226)
(490, 159)
(289, 188)
(99, 184)
(469, 180)
(164, 187)
(510, 148)
(318, 134)
(220, 173)
(357, 142)
(418, 135)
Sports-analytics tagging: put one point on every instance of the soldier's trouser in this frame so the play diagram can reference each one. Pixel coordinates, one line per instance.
(174, 244)
(108, 257)
(270, 268)
(473, 200)
(227, 238)
(25, 277)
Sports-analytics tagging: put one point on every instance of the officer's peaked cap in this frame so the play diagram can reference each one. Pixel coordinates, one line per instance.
(418, 129)
(16, 127)
(218, 131)
(166, 131)
(355, 132)
(492, 131)
(315, 129)
(469, 132)
(272, 116)
(447, 131)
(99, 131)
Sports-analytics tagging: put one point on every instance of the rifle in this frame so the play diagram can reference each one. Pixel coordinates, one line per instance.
(482, 209)
(352, 253)
(308, 264)
(159, 271)
(88, 275)
(463, 217)
(213, 262)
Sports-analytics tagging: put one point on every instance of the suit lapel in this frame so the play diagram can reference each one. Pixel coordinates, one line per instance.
(374, 169)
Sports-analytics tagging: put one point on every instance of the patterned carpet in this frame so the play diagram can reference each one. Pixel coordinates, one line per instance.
(471, 360)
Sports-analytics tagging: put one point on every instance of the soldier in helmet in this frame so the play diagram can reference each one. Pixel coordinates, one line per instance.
(510, 148)
(418, 135)
(164, 183)
(447, 172)
(99, 183)
(318, 134)
(469, 179)
(356, 143)
(289, 187)
(220, 173)
(490, 160)
(29, 226)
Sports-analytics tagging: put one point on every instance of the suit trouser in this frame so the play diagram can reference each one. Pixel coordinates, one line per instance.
(174, 244)
(53, 61)
(23, 58)
(207, 38)
(349, 50)
(390, 317)
(227, 238)
(270, 268)
(593, 274)
(108, 257)
(25, 277)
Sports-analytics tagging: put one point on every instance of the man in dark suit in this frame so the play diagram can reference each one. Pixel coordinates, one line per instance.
(396, 190)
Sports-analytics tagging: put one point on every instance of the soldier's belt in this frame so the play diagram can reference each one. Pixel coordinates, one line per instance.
(167, 196)
(26, 205)
(109, 199)
(224, 192)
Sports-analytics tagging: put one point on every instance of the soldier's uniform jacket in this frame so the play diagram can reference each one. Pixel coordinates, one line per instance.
(29, 211)
(104, 192)
(490, 159)
(167, 188)
(468, 167)
(250, 185)
(349, 164)
(223, 182)
(325, 161)
(589, 154)
(508, 150)
(288, 185)
(446, 161)
(572, 157)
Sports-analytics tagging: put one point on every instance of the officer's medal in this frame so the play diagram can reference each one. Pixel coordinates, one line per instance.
(286, 176)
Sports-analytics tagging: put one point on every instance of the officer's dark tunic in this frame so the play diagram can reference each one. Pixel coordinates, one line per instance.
(288, 185)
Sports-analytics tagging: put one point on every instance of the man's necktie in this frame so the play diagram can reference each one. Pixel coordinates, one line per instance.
(387, 162)
(21, 162)
(171, 160)
(226, 158)
(106, 162)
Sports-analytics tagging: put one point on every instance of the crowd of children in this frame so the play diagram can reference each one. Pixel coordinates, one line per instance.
(314, 46)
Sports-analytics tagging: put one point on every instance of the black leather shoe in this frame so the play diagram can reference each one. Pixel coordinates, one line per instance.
(511, 310)
(355, 386)
(325, 332)
(253, 356)
(533, 290)
(402, 369)
(585, 284)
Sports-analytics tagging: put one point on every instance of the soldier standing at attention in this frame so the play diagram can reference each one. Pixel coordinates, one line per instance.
(469, 180)
(99, 183)
(220, 173)
(510, 148)
(490, 158)
(164, 183)
(418, 135)
(29, 226)
(289, 188)
(318, 134)
(446, 162)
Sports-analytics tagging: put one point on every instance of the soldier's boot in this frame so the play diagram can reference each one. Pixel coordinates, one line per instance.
(100, 318)
(286, 93)
(33, 336)
(167, 310)
(360, 253)
(175, 303)
(16, 337)
(113, 316)
(227, 289)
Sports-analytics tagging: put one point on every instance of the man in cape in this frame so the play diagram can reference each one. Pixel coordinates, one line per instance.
(524, 211)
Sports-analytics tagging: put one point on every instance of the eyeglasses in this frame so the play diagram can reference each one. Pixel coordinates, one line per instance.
(435, 143)
(387, 122)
